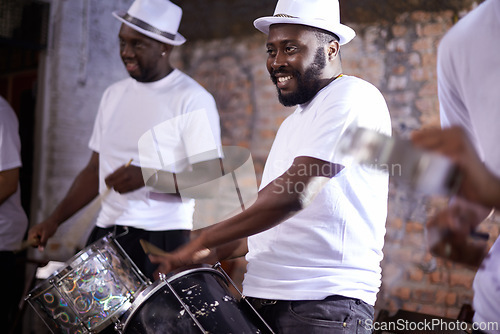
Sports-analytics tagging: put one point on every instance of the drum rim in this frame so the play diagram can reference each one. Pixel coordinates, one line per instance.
(157, 285)
(47, 284)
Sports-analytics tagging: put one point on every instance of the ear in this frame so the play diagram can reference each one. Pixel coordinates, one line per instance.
(166, 49)
(333, 50)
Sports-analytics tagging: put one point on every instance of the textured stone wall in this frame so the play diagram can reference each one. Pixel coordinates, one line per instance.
(398, 56)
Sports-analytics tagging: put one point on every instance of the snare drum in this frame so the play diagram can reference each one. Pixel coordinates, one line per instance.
(193, 301)
(93, 290)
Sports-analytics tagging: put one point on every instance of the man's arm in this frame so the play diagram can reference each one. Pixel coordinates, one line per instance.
(190, 183)
(478, 184)
(85, 187)
(278, 201)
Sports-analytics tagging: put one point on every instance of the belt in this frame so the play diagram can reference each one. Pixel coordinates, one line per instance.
(259, 303)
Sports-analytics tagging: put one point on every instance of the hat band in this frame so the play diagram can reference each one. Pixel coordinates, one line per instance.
(285, 15)
(143, 25)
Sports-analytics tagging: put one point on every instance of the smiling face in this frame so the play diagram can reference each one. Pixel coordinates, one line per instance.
(142, 55)
(297, 63)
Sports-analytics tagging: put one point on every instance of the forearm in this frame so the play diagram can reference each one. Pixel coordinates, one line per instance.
(278, 201)
(192, 183)
(232, 250)
(272, 207)
(84, 188)
(245, 224)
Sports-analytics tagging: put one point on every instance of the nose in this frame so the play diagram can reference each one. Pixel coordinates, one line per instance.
(279, 60)
(126, 50)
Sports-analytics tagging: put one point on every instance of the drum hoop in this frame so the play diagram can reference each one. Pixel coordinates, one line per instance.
(157, 285)
(63, 271)
(95, 250)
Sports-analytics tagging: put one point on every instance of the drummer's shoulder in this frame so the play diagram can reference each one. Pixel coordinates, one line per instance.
(118, 86)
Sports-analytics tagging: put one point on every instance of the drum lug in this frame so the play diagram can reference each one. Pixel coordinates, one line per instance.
(118, 327)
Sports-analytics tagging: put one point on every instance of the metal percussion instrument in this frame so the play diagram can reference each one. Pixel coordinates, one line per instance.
(422, 171)
(91, 291)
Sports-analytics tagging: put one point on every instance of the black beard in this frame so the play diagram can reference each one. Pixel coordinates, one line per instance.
(308, 84)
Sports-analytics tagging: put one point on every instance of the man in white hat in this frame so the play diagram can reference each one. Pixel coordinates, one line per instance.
(155, 97)
(316, 231)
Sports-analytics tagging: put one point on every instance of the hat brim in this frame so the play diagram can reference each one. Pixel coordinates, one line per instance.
(345, 33)
(179, 39)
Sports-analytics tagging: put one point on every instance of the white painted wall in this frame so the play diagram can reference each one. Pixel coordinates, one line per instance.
(82, 59)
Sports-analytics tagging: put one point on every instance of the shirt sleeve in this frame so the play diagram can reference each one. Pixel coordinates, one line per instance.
(452, 109)
(10, 143)
(201, 129)
(95, 138)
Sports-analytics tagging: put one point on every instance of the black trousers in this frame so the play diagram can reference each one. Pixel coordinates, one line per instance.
(128, 238)
(9, 281)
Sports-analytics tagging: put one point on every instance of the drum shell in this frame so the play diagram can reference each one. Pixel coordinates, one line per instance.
(206, 294)
(93, 290)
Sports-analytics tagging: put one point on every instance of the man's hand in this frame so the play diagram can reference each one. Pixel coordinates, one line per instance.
(39, 234)
(125, 179)
(449, 233)
(190, 254)
(478, 184)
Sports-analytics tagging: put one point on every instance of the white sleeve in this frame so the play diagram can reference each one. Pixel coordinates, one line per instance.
(451, 107)
(10, 144)
(201, 133)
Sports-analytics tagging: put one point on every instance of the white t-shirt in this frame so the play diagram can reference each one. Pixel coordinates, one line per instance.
(468, 81)
(13, 220)
(156, 124)
(333, 246)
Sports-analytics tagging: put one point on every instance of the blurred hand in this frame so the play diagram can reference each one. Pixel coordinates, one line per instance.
(478, 184)
(190, 254)
(39, 234)
(449, 233)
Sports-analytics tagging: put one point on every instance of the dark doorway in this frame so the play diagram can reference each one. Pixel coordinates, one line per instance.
(23, 37)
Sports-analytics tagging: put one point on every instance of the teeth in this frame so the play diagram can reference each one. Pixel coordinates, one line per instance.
(283, 79)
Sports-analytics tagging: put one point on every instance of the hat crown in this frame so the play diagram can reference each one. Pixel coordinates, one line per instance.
(328, 10)
(322, 14)
(161, 14)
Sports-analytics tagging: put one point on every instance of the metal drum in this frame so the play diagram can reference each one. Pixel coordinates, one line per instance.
(92, 291)
(193, 301)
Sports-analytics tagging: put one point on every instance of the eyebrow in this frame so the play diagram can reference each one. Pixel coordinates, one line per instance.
(284, 42)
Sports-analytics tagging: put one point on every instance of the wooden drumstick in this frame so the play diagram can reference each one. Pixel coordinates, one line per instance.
(26, 244)
(149, 248)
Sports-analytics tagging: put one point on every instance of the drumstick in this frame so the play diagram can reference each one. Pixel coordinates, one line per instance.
(26, 244)
(149, 248)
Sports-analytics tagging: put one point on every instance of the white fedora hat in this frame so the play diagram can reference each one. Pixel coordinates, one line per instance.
(158, 19)
(323, 14)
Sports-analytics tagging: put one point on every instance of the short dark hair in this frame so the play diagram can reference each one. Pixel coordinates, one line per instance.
(325, 37)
